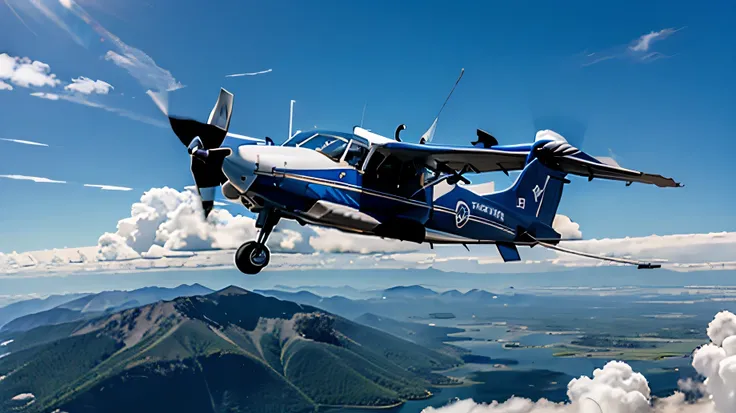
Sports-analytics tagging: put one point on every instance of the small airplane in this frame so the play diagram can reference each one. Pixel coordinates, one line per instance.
(364, 183)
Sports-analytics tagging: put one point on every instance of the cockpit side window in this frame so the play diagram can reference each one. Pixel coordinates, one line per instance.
(338, 147)
(356, 154)
(334, 148)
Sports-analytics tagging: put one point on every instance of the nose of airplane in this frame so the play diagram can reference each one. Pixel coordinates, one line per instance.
(241, 166)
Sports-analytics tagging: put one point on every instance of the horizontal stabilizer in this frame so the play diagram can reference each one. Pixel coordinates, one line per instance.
(508, 252)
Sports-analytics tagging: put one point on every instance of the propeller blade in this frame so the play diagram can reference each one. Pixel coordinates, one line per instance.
(203, 142)
(572, 129)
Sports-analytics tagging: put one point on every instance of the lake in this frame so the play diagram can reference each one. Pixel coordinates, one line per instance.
(543, 374)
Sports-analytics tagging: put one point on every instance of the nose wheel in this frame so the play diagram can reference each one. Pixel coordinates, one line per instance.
(253, 256)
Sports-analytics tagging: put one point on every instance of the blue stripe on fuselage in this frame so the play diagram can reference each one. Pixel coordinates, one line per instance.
(347, 191)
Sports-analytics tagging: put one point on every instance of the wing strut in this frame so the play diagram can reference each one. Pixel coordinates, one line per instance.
(639, 264)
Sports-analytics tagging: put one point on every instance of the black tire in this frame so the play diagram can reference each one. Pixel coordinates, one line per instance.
(251, 257)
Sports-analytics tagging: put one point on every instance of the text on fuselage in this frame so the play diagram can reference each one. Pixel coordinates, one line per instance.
(488, 210)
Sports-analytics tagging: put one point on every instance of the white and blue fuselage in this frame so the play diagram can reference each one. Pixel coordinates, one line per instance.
(338, 180)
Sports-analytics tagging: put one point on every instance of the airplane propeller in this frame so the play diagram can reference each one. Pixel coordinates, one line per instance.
(203, 142)
(572, 129)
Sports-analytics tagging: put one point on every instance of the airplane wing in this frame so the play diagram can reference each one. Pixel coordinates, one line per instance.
(499, 158)
(585, 165)
(492, 157)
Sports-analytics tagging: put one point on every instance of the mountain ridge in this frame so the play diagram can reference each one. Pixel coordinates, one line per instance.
(252, 351)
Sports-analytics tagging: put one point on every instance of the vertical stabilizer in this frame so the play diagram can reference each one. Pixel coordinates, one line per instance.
(537, 192)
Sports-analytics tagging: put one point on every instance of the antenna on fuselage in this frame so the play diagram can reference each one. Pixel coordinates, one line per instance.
(291, 117)
(429, 134)
(362, 117)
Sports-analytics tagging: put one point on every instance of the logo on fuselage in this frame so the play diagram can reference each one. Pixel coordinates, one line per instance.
(462, 214)
(537, 191)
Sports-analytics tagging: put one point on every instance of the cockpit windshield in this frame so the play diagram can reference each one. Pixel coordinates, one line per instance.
(333, 145)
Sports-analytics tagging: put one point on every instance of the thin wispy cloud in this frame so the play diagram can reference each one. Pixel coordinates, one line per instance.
(639, 50)
(250, 73)
(36, 179)
(23, 22)
(109, 187)
(642, 43)
(67, 15)
(44, 95)
(24, 142)
(84, 100)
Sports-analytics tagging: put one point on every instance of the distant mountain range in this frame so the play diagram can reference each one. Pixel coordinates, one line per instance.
(73, 307)
(232, 350)
(411, 301)
(21, 308)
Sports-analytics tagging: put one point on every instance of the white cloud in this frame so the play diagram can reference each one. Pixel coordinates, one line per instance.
(23, 72)
(5, 86)
(142, 67)
(567, 229)
(332, 240)
(36, 179)
(87, 86)
(175, 221)
(250, 73)
(24, 142)
(109, 187)
(680, 249)
(66, 3)
(113, 247)
(639, 50)
(643, 43)
(83, 100)
(47, 96)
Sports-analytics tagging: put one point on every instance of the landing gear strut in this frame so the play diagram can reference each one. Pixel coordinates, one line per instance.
(253, 256)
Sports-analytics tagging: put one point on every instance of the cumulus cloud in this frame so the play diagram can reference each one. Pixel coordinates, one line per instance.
(113, 247)
(88, 86)
(567, 229)
(332, 240)
(24, 72)
(36, 179)
(175, 221)
(717, 362)
(5, 86)
(24, 142)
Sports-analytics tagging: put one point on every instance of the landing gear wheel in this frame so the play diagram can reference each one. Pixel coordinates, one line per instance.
(252, 257)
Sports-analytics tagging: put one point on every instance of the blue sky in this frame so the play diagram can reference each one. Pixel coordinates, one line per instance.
(671, 115)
